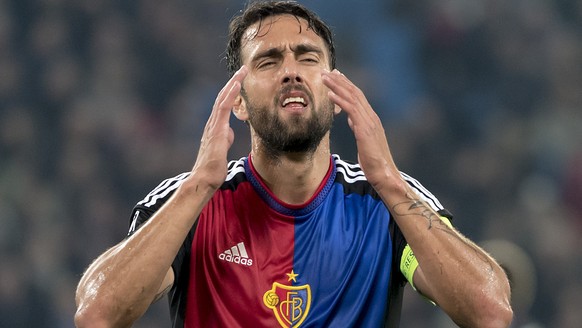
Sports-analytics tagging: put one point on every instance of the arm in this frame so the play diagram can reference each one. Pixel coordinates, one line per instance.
(120, 285)
(454, 272)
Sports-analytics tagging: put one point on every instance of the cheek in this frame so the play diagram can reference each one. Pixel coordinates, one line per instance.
(316, 84)
(322, 93)
(257, 91)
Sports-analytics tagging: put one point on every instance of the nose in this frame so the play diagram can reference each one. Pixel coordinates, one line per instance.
(292, 78)
(291, 73)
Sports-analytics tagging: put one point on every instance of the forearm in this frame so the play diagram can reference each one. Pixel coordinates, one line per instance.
(458, 275)
(120, 285)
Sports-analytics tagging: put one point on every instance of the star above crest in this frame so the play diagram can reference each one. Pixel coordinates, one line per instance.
(292, 276)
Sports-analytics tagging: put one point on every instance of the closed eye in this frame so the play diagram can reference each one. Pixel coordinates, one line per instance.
(266, 64)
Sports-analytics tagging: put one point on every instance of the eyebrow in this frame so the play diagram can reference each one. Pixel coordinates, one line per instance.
(268, 53)
(305, 48)
(299, 49)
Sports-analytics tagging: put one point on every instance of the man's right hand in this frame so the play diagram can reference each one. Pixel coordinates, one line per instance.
(120, 284)
(210, 167)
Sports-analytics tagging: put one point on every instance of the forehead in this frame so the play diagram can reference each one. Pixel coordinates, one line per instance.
(276, 32)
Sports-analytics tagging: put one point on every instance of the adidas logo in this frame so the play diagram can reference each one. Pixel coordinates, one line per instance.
(236, 254)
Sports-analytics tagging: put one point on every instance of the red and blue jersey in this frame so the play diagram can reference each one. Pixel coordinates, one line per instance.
(253, 261)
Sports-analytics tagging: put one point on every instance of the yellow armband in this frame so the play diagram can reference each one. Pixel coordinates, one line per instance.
(408, 262)
(446, 221)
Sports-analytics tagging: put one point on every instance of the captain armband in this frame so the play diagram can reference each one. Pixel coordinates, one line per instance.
(446, 221)
(409, 263)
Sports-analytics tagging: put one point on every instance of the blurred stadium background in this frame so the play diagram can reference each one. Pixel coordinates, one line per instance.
(101, 99)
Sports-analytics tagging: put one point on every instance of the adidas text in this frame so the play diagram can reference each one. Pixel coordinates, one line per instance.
(235, 259)
(236, 254)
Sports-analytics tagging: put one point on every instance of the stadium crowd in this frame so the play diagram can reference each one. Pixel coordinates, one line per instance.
(101, 99)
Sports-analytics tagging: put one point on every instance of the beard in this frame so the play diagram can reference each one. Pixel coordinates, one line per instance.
(294, 135)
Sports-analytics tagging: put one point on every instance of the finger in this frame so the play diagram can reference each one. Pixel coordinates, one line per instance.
(226, 97)
(342, 91)
(351, 99)
(341, 85)
(346, 94)
(237, 77)
(226, 104)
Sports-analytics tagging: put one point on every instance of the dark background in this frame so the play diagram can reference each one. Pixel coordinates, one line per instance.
(101, 99)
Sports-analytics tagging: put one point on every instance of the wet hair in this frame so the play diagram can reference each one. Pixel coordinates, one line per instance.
(257, 11)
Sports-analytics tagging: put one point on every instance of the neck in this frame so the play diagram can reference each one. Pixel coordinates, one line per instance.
(293, 177)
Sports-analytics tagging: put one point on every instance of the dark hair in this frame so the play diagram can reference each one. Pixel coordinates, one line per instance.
(256, 11)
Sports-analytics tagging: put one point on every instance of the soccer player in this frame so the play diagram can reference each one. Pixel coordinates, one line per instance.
(292, 235)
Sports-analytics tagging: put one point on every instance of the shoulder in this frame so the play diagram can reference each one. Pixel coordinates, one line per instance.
(423, 193)
(160, 194)
(353, 179)
(236, 174)
(348, 171)
(146, 207)
(162, 191)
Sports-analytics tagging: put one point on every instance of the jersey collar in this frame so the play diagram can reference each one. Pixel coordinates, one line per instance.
(282, 207)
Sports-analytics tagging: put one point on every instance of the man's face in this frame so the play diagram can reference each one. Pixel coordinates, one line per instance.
(285, 98)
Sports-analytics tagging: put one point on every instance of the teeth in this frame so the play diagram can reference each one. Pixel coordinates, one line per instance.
(294, 99)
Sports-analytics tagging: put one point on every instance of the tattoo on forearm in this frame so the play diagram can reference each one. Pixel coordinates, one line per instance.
(423, 211)
(416, 207)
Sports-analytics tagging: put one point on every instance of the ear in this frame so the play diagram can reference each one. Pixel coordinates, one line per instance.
(239, 109)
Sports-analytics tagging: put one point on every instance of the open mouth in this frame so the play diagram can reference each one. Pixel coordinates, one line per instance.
(294, 101)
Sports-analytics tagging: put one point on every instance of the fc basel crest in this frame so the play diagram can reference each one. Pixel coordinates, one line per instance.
(290, 304)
